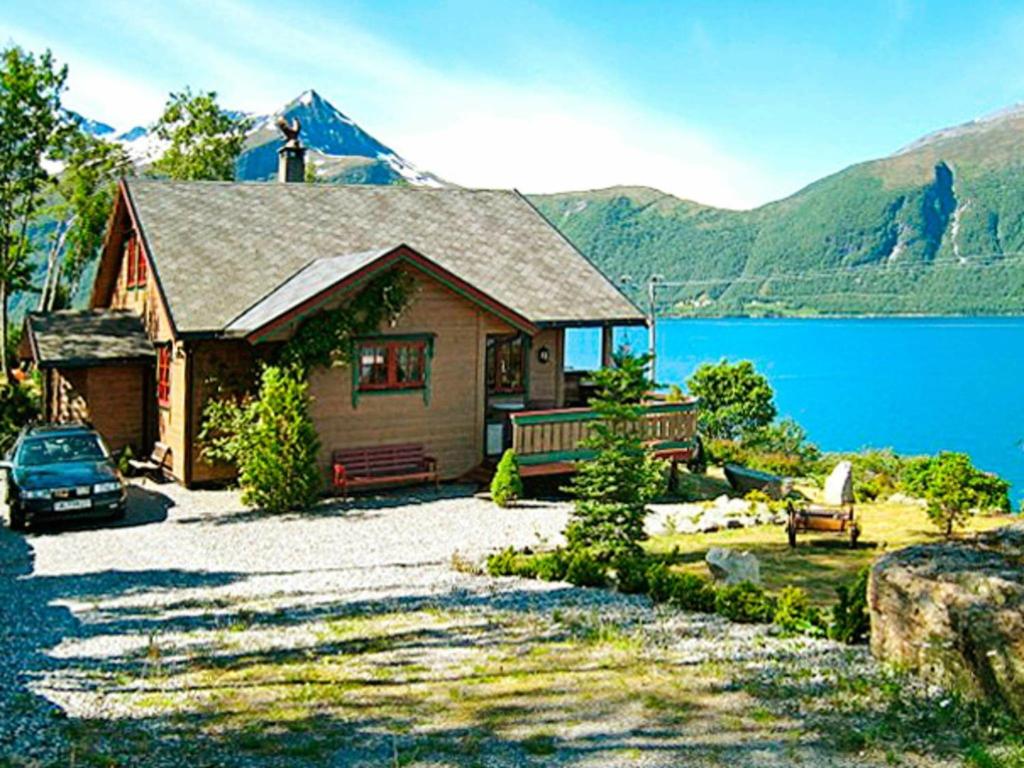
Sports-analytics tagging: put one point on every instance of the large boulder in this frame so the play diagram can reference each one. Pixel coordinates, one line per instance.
(732, 567)
(839, 485)
(954, 613)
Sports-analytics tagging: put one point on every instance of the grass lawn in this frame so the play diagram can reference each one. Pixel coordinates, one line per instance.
(433, 687)
(820, 561)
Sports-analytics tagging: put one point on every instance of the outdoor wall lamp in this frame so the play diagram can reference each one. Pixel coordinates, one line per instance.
(543, 355)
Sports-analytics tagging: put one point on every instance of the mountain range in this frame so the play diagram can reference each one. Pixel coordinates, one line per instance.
(337, 148)
(935, 228)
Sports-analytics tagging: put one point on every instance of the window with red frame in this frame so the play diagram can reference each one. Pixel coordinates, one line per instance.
(129, 260)
(387, 365)
(140, 265)
(136, 262)
(163, 375)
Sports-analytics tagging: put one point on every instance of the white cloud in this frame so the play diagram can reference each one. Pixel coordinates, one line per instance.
(98, 90)
(545, 136)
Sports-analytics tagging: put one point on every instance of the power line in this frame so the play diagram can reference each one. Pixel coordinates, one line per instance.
(848, 271)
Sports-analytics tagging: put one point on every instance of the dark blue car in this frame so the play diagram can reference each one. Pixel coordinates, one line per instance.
(60, 472)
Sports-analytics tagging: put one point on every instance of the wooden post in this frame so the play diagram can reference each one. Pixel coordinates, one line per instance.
(607, 345)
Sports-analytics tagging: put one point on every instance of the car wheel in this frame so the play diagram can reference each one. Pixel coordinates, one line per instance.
(17, 520)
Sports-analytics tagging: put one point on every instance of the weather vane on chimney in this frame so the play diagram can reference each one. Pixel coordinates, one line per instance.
(290, 130)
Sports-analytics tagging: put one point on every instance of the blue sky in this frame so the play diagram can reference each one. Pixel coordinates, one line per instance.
(730, 103)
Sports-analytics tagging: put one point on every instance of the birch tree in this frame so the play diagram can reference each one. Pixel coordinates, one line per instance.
(33, 126)
(87, 187)
(204, 140)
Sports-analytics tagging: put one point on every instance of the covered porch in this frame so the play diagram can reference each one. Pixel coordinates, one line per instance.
(546, 435)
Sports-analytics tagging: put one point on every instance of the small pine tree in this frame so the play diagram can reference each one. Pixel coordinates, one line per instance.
(612, 490)
(954, 487)
(507, 485)
(278, 469)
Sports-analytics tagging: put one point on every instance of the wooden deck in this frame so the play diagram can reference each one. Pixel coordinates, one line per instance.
(548, 442)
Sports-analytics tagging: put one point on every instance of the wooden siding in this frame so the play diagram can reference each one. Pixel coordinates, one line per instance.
(218, 366)
(111, 398)
(547, 380)
(451, 424)
(146, 300)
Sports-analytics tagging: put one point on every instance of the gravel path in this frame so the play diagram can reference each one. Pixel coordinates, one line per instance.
(77, 605)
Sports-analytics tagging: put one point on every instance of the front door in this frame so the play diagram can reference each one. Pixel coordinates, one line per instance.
(506, 383)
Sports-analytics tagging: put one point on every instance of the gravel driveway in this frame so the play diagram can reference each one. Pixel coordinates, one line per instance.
(82, 610)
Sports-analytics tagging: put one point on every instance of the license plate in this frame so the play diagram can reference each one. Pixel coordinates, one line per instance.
(63, 506)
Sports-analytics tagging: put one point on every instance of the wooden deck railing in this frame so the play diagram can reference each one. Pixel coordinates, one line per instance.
(552, 438)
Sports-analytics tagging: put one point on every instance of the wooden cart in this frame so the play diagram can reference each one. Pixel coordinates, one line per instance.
(822, 519)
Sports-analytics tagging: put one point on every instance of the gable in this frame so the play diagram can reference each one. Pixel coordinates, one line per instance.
(313, 286)
(222, 247)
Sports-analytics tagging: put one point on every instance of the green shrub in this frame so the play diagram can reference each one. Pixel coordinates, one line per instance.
(693, 593)
(551, 566)
(850, 621)
(745, 602)
(683, 590)
(734, 399)
(507, 485)
(271, 440)
(124, 459)
(509, 562)
(631, 574)
(279, 470)
(659, 582)
(548, 566)
(585, 570)
(19, 406)
(877, 474)
(794, 612)
(954, 488)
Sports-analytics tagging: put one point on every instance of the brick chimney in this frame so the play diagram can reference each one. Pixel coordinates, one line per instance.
(291, 156)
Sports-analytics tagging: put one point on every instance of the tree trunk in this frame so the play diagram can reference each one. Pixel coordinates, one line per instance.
(48, 296)
(5, 366)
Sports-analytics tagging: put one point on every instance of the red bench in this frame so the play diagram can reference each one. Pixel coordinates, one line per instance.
(382, 464)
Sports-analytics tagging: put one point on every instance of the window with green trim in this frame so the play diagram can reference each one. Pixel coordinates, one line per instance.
(392, 365)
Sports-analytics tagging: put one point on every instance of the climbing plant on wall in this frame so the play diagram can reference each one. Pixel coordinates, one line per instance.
(325, 339)
(272, 428)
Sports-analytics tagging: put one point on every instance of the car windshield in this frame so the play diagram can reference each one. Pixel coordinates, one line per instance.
(60, 448)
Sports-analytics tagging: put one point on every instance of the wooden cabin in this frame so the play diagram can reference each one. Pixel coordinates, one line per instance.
(199, 281)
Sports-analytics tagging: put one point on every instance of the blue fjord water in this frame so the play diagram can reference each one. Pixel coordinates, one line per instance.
(918, 385)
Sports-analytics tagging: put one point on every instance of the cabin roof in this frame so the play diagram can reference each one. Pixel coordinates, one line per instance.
(219, 248)
(82, 338)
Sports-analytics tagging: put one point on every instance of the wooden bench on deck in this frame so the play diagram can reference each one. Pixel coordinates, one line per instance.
(382, 464)
(159, 461)
(824, 519)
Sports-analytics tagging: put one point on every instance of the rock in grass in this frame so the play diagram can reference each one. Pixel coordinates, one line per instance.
(839, 485)
(954, 613)
(732, 567)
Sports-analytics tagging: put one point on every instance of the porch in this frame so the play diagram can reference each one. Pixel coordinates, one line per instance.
(548, 441)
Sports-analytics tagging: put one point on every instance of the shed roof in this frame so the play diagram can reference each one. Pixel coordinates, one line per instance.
(90, 337)
(218, 247)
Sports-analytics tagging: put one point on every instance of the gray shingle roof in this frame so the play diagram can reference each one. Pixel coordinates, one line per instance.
(78, 338)
(219, 247)
(303, 285)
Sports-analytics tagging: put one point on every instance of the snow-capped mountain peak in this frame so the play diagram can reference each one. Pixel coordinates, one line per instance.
(337, 147)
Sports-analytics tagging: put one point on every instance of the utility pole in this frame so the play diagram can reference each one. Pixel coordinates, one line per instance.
(652, 321)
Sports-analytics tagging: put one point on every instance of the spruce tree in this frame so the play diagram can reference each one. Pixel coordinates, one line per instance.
(612, 490)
